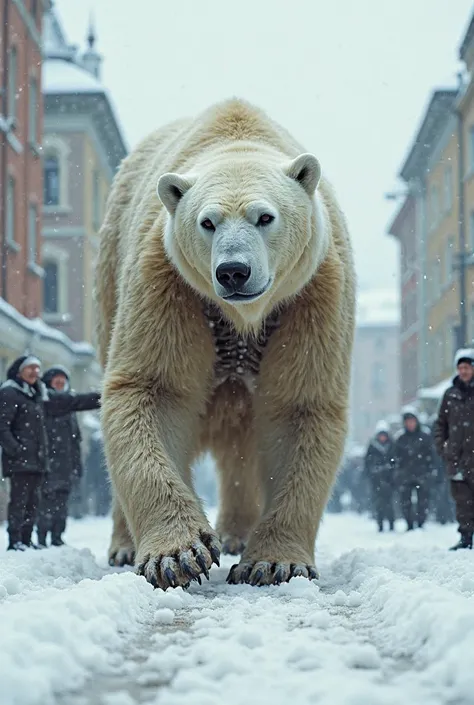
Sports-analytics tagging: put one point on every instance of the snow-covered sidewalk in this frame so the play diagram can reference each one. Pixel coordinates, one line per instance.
(391, 620)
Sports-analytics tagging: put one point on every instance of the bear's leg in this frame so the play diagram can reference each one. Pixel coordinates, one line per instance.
(150, 441)
(121, 549)
(232, 442)
(301, 448)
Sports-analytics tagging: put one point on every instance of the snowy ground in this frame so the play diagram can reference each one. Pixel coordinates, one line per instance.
(391, 621)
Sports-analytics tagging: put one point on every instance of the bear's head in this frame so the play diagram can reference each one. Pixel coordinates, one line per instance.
(246, 230)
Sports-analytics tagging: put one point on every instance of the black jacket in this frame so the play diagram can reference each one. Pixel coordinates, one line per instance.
(414, 456)
(64, 443)
(23, 432)
(454, 428)
(380, 462)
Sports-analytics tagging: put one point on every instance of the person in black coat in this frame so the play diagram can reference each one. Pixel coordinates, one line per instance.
(380, 471)
(24, 407)
(416, 467)
(65, 466)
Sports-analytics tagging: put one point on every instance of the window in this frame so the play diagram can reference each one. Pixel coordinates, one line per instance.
(436, 280)
(10, 211)
(471, 149)
(378, 375)
(448, 188)
(379, 343)
(12, 77)
(449, 260)
(434, 206)
(33, 112)
(470, 235)
(51, 180)
(32, 228)
(50, 284)
(96, 199)
(449, 343)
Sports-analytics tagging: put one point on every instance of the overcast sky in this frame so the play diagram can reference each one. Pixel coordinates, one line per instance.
(349, 78)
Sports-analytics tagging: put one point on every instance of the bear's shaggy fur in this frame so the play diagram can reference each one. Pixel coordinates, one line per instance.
(261, 379)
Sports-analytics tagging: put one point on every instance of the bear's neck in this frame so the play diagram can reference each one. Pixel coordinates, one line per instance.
(238, 356)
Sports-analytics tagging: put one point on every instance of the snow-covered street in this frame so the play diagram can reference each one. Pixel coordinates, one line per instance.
(392, 618)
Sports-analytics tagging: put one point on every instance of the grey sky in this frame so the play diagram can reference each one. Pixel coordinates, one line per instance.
(349, 78)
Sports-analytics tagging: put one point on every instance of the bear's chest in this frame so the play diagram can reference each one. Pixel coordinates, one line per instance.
(237, 357)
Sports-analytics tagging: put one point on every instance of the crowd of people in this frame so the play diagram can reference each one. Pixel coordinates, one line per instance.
(40, 439)
(422, 468)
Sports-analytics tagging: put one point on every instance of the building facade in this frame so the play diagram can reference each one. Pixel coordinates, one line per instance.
(21, 113)
(375, 379)
(404, 228)
(82, 149)
(438, 174)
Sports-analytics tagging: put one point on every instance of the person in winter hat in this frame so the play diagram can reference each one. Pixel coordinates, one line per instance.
(415, 468)
(379, 468)
(454, 440)
(64, 447)
(24, 407)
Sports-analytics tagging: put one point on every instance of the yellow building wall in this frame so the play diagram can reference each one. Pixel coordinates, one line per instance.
(443, 229)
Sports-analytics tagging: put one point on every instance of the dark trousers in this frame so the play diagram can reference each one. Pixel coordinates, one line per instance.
(463, 495)
(23, 506)
(442, 503)
(53, 513)
(382, 502)
(422, 504)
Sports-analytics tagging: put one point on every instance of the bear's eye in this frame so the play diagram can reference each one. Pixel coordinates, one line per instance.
(265, 219)
(207, 224)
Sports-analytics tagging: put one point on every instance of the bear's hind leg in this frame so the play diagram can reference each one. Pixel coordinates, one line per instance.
(232, 443)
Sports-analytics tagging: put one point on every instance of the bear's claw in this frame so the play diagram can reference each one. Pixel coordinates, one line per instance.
(122, 557)
(266, 573)
(184, 566)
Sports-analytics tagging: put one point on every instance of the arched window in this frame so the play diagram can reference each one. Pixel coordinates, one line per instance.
(51, 180)
(51, 287)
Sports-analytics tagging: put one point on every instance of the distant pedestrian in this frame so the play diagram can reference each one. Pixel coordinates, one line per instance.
(380, 471)
(97, 483)
(64, 447)
(415, 468)
(454, 438)
(24, 407)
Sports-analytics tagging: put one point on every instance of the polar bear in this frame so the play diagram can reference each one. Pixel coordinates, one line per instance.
(225, 308)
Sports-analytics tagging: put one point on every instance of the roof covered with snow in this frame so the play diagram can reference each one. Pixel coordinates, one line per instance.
(436, 391)
(37, 326)
(378, 307)
(433, 123)
(71, 84)
(64, 76)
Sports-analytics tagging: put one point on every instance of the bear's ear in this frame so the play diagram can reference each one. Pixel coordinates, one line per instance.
(171, 189)
(306, 170)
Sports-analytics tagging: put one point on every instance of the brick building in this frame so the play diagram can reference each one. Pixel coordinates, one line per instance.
(21, 112)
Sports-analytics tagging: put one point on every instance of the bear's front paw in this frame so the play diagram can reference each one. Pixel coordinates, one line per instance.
(267, 573)
(179, 567)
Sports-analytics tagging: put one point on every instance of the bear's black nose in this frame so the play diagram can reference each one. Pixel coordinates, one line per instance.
(232, 276)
